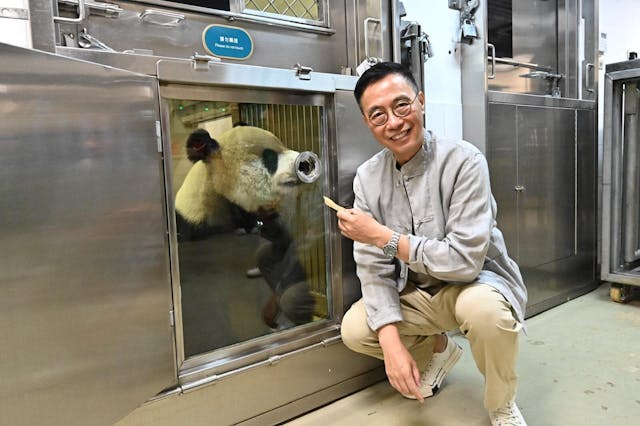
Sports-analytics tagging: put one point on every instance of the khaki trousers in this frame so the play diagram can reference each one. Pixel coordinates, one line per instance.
(480, 312)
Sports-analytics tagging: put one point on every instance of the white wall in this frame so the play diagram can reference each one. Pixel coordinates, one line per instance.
(442, 71)
(14, 31)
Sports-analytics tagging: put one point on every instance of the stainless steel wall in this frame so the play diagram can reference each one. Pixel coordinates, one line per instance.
(308, 364)
(324, 49)
(84, 265)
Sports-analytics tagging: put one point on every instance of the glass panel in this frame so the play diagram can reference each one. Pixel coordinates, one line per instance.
(501, 27)
(209, 4)
(251, 237)
(525, 36)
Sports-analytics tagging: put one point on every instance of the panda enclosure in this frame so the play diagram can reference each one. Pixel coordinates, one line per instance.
(113, 315)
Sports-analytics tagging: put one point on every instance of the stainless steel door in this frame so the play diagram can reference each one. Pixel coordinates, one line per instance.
(546, 154)
(84, 269)
(534, 179)
(542, 159)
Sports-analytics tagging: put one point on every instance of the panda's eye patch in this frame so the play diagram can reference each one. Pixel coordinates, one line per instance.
(270, 160)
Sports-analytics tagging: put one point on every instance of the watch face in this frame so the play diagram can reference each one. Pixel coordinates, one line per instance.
(389, 251)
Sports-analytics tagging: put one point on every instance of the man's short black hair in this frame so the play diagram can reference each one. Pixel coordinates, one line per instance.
(380, 71)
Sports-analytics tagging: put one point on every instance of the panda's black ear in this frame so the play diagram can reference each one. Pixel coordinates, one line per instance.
(200, 145)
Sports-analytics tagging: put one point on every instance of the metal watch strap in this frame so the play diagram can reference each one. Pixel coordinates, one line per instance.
(391, 248)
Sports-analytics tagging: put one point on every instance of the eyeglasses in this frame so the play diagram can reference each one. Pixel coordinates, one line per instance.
(402, 108)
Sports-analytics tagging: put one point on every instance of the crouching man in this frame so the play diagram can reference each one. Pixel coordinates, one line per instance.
(429, 255)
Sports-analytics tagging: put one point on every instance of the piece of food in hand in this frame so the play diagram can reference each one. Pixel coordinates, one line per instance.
(329, 202)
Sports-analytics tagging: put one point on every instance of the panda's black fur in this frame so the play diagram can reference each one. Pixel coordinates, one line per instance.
(200, 145)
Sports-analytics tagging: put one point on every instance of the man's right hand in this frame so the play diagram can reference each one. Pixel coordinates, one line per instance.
(402, 370)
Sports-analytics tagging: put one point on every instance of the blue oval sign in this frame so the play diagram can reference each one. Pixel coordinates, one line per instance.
(227, 42)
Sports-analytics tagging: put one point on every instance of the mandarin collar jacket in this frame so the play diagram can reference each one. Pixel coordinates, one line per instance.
(442, 200)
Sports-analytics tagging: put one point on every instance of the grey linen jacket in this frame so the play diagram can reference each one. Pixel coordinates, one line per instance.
(442, 200)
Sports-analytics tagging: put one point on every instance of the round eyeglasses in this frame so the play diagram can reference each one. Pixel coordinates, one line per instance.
(402, 108)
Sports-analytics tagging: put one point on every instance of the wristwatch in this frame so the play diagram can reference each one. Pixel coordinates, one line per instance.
(391, 248)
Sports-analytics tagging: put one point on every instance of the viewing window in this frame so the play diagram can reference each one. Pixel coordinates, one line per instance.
(251, 236)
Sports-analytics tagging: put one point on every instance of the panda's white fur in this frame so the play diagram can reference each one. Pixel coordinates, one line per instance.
(237, 173)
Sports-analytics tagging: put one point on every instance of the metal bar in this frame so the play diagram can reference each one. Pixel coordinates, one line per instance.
(395, 32)
(190, 386)
(519, 64)
(630, 172)
(106, 9)
(82, 14)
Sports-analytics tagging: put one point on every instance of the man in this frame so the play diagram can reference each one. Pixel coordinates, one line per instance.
(429, 255)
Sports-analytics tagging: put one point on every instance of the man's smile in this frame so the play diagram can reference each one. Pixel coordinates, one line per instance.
(400, 135)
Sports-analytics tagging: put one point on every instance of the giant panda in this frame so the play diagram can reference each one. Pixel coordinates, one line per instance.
(250, 168)
(246, 166)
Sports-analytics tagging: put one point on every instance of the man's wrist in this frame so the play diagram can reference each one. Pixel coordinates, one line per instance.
(384, 238)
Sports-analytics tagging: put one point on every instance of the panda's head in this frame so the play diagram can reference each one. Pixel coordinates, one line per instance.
(247, 165)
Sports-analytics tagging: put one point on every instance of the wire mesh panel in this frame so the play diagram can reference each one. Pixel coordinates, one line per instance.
(298, 126)
(308, 10)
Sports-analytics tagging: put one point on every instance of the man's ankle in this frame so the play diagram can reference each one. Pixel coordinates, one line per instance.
(440, 344)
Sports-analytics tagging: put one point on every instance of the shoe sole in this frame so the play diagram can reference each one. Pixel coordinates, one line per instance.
(451, 361)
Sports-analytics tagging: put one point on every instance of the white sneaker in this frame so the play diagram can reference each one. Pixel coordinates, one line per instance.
(437, 368)
(508, 415)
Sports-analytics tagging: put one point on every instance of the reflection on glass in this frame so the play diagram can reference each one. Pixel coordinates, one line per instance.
(501, 27)
(250, 232)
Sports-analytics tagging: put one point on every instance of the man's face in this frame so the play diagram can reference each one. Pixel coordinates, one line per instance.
(402, 135)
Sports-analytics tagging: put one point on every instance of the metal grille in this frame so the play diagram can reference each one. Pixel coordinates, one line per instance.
(305, 9)
(300, 128)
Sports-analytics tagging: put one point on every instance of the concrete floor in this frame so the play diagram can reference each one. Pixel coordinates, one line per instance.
(579, 365)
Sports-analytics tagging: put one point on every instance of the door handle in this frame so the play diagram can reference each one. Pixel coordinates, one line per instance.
(366, 35)
(491, 47)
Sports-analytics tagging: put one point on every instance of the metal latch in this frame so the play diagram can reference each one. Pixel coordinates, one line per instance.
(302, 72)
(201, 62)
